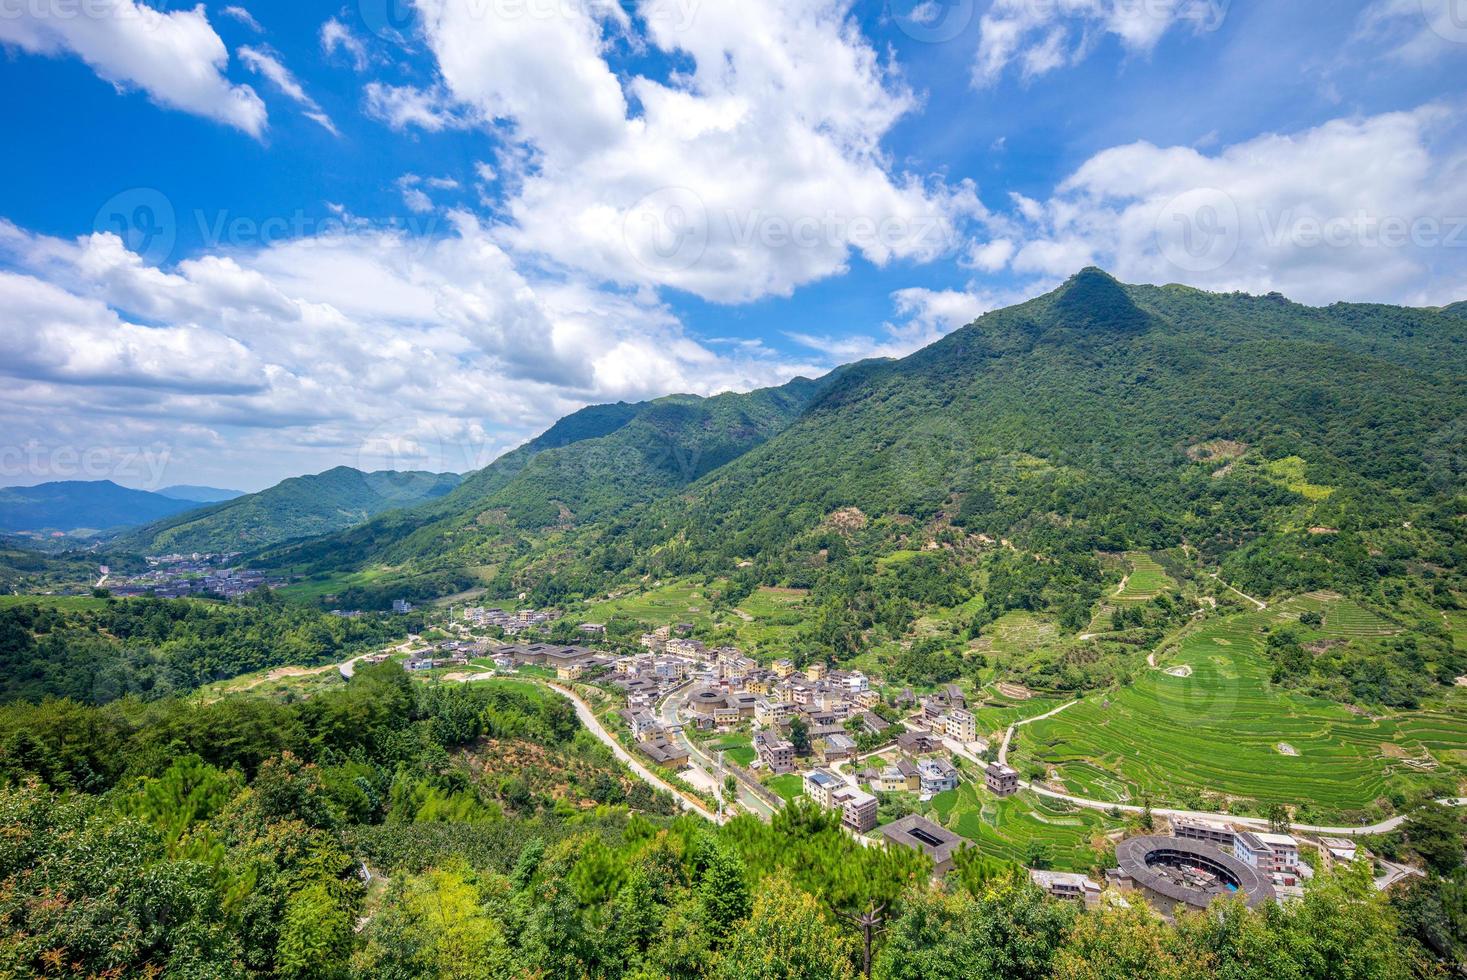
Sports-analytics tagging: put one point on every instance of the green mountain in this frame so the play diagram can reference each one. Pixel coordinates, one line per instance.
(298, 507)
(1289, 448)
(81, 505)
(590, 466)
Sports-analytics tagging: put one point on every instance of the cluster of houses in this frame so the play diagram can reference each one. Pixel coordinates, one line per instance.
(177, 576)
(513, 623)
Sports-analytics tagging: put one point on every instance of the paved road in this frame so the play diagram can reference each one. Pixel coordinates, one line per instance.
(593, 724)
(667, 713)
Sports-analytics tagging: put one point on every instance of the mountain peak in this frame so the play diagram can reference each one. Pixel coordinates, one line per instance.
(1093, 299)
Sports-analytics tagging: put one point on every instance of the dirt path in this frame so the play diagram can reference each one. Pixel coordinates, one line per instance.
(1008, 736)
(1257, 602)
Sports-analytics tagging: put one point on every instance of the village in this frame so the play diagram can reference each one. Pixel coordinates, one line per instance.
(176, 576)
(750, 735)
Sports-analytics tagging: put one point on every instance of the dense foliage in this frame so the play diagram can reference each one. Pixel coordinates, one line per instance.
(154, 647)
(357, 834)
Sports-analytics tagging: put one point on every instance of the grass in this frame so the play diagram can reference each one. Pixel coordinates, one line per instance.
(1006, 827)
(1290, 472)
(316, 589)
(1218, 731)
(684, 601)
(1343, 618)
(70, 603)
(790, 786)
(737, 748)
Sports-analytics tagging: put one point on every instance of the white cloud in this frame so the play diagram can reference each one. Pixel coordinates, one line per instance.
(336, 36)
(320, 350)
(1042, 35)
(175, 57)
(1371, 208)
(244, 17)
(267, 63)
(1417, 32)
(757, 170)
(406, 106)
(923, 316)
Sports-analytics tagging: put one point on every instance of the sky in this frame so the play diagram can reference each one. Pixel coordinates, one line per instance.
(246, 241)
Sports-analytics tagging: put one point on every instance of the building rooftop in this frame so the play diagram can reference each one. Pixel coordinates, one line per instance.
(921, 834)
(1190, 872)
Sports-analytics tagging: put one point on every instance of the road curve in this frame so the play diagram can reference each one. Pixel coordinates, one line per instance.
(593, 724)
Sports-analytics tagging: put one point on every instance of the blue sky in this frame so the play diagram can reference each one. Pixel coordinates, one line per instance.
(244, 241)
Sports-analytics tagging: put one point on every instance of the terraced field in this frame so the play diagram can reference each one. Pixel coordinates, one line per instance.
(1005, 827)
(674, 602)
(1219, 729)
(789, 786)
(1146, 580)
(995, 717)
(1343, 618)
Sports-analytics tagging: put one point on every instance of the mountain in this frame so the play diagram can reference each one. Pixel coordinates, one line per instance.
(81, 505)
(598, 462)
(200, 495)
(298, 507)
(1097, 418)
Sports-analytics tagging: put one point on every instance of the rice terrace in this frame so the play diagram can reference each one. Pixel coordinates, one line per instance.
(1207, 727)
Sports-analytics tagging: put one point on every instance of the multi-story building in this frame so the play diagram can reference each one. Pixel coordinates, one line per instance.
(820, 784)
(777, 754)
(784, 668)
(937, 775)
(1001, 780)
(1061, 884)
(961, 725)
(1269, 853)
(858, 808)
(1207, 831)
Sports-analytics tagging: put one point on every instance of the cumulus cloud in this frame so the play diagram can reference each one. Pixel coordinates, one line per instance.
(336, 36)
(175, 57)
(324, 349)
(756, 170)
(266, 63)
(922, 316)
(1039, 36)
(405, 107)
(1370, 208)
(1417, 32)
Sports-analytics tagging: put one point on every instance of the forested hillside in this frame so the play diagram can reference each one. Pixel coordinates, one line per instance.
(595, 464)
(298, 507)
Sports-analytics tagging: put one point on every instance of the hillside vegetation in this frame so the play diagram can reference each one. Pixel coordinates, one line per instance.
(299, 507)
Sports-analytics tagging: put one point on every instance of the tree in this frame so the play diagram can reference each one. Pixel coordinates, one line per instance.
(786, 938)
(1435, 833)
(800, 736)
(723, 887)
(1278, 818)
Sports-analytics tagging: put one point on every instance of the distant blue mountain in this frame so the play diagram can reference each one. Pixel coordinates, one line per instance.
(73, 505)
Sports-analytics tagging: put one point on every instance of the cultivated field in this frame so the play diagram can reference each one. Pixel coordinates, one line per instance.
(1219, 730)
(1146, 580)
(1008, 827)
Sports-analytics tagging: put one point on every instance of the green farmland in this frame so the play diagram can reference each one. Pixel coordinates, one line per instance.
(1006, 827)
(1224, 729)
(1145, 581)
